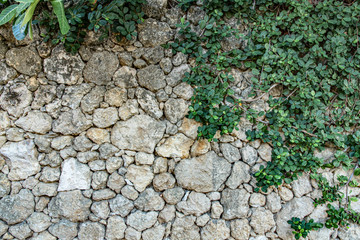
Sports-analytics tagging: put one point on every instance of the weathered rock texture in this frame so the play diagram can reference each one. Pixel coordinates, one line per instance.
(96, 145)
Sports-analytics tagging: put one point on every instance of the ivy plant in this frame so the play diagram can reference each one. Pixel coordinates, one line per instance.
(302, 227)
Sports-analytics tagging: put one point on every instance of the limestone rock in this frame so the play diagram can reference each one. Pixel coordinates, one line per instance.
(101, 67)
(202, 174)
(175, 146)
(63, 67)
(125, 77)
(4, 185)
(20, 231)
(175, 109)
(285, 193)
(149, 200)
(140, 133)
(43, 95)
(16, 208)
(189, 127)
(64, 229)
(44, 236)
(21, 157)
(91, 231)
(45, 189)
(74, 175)
(273, 202)
(36, 122)
(249, 155)
(15, 98)
(74, 94)
(25, 60)
(240, 229)
(235, 203)
(262, 220)
(142, 220)
(39, 222)
(152, 78)
(196, 204)
(200, 147)
(153, 55)
(154, 233)
(185, 228)
(140, 176)
(72, 122)
(121, 205)
(177, 74)
(71, 205)
(353, 232)
(93, 99)
(98, 135)
(115, 229)
(215, 229)
(301, 186)
(4, 121)
(297, 207)
(163, 181)
(173, 195)
(105, 117)
(6, 73)
(240, 174)
(265, 152)
(116, 96)
(230, 152)
(153, 33)
(155, 8)
(184, 91)
(148, 102)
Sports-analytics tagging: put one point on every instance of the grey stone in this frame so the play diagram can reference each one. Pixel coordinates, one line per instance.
(105, 117)
(121, 205)
(167, 214)
(125, 77)
(166, 65)
(43, 95)
(196, 204)
(160, 165)
(132, 234)
(113, 164)
(155, 8)
(73, 95)
(184, 91)
(177, 74)
(215, 229)
(129, 192)
(240, 229)
(43, 236)
(64, 229)
(249, 155)
(63, 68)
(3, 228)
(101, 67)
(173, 195)
(175, 146)
(265, 152)
(195, 14)
(91, 231)
(61, 142)
(285, 193)
(140, 133)
(257, 200)
(16, 208)
(99, 179)
(39, 222)
(93, 99)
(142, 220)
(115, 229)
(202, 174)
(185, 228)
(125, 59)
(216, 210)
(297, 207)
(152, 78)
(107, 150)
(103, 194)
(25, 60)
(98, 135)
(153, 33)
(71, 205)
(230, 152)
(350, 233)
(21, 157)
(240, 174)
(148, 102)
(235, 203)
(149, 200)
(115, 182)
(15, 98)
(301, 186)
(72, 122)
(262, 220)
(36, 122)
(202, 220)
(139, 63)
(6, 73)
(154, 55)
(5, 185)
(4, 121)
(154, 233)
(74, 175)
(175, 109)
(273, 202)
(101, 209)
(45, 189)
(20, 231)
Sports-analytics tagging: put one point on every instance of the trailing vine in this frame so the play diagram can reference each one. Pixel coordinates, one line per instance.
(307, 49)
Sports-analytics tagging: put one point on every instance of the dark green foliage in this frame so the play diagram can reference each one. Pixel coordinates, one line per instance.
(117, 17)
(329, 193)
(302, 228)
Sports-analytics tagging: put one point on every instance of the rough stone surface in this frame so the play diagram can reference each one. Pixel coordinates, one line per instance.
(63, 68)
(240, 229)
(142, 220)
(15, 98)
(175, 146)
(262, 220)
(6, 73)
(202, 174)
(124, 134)
(235, 203)
(25, 60)
(21, 157)
(185, 228)
(215, 229)
(115, 229)
(72, 122)
(74, 175)
(121, 205)
(101, 67)
(16, 208)
(36, 122)
(153, 33)
(240, 174)
(140, 176)
(91, 231)
(64, 229)
(152, 78)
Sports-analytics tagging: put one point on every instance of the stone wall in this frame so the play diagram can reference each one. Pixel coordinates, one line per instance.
(96, 146)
